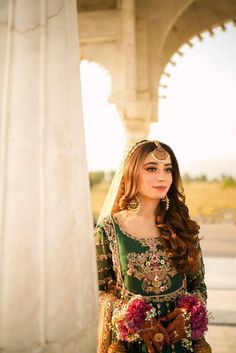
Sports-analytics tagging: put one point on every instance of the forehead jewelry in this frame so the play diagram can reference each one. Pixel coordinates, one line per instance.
(128, 153)
(160, 154)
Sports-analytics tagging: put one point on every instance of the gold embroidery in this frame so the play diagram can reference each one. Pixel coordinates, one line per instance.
(103, 257)
(161, 297)
(151, 267)
(152, 243)
(105, 281)
(103, 269)
(106, 304)
(109, 228)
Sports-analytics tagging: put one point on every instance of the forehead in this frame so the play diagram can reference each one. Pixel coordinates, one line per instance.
(152, 160)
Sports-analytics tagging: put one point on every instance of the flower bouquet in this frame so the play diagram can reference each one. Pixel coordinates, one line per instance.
(198, 314)
(127, 320)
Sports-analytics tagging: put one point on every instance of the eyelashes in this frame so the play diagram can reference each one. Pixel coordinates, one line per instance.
(154, 169)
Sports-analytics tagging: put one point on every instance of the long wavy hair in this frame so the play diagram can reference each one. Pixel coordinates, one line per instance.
(178, 232)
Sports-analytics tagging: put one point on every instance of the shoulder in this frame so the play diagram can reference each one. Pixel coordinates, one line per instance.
(102, 231)
(120, 216)
(108, 220)
(105, 226)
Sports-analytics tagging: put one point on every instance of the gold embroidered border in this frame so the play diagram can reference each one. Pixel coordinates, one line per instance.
(106, 304)
(159, 297)
(105, 281)
(104, 257)
(109, 228)
(103, 269)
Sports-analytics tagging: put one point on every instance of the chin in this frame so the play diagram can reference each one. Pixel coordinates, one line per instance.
(156, 198)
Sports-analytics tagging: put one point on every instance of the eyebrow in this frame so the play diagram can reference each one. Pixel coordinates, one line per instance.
(155, 163)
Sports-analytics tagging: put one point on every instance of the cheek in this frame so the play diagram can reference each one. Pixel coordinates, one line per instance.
(144, 182)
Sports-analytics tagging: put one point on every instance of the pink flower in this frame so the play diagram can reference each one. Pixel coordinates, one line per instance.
(129, 319)
(123, 330)
(199, 315)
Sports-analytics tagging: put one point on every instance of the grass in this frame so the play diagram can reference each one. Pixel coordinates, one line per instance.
(98, 194)
(207, 201)
(211, 200)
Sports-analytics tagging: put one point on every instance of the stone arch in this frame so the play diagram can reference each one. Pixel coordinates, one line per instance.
(169, 57)
(136, 44)
(102, 53)
(199, 17)
(100, 65)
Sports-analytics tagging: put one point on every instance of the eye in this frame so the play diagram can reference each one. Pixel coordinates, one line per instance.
(151, 169)
(168, 170)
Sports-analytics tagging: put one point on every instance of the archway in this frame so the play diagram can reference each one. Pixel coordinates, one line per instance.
(104, 131)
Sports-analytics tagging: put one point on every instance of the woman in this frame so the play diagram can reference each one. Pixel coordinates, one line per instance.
(149, 258)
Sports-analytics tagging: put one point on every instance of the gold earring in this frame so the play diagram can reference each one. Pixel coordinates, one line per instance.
(166, 199)
(134, 205)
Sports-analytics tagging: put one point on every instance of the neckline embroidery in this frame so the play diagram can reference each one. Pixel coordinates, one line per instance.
(150, 267)
(109, 227)
(150, 241)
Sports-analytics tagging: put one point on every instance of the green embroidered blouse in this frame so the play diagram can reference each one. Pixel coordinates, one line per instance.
(131, 266)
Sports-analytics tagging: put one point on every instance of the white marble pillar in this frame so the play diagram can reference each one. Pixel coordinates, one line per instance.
(136, 130)
(134, 107)
(128, 40)
(48, 295)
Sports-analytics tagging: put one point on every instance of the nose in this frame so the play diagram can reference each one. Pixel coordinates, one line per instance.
(161, 175)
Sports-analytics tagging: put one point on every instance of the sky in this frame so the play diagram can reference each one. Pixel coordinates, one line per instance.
(197, 118)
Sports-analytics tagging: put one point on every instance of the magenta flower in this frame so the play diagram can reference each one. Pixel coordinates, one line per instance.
(199, 314)
(128, 320)
(123, 330)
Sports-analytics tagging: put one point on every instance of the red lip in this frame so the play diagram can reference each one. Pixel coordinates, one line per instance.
(160, 188)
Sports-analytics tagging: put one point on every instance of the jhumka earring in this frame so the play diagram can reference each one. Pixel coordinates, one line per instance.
(134, 205)
(166, 199)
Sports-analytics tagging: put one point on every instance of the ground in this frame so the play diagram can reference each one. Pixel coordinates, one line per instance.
(219, 250)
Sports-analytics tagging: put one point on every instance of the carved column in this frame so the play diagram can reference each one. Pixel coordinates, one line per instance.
(47, 303)
(134, 107)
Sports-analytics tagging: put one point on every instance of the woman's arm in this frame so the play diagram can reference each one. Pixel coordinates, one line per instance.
(106, 276)
(195, 286)
(196, 282)
(106, 283)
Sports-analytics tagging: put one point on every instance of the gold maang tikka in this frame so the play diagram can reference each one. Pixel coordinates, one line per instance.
(159, 153)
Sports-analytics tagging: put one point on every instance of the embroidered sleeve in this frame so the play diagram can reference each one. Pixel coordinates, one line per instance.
(106, 277)
(196, 283)
(107, 293)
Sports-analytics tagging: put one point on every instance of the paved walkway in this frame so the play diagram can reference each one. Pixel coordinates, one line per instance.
(219, 246)
(219, 250)
(222, 339)
(221, 282)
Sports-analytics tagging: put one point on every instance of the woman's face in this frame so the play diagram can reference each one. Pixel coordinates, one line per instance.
(155, 177)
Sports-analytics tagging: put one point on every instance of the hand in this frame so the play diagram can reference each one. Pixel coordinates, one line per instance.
(176, 329)
(148, 331)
